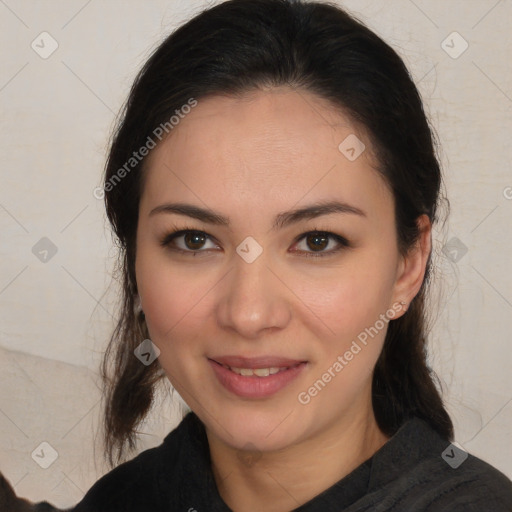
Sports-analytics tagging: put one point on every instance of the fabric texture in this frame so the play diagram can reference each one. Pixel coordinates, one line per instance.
(415, 471)
(407, 474)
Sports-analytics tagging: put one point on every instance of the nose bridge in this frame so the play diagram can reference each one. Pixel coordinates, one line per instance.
(253, 299)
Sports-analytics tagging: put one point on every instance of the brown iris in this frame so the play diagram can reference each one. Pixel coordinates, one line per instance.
(317, 241)
(194, 240)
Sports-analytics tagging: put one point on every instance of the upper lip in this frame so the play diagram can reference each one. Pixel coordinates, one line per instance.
(256, 362)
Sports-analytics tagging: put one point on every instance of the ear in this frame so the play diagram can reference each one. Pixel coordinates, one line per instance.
(137, 304)
(412, 266)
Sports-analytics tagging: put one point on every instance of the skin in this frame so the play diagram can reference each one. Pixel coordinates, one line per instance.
(249, 159)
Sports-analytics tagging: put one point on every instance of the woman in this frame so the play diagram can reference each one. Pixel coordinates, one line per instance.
(273, 185)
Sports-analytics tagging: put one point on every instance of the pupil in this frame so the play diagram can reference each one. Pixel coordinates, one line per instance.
(317, 242)
(194, 240)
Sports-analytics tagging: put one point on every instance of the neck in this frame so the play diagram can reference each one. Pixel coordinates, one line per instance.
(284, 480)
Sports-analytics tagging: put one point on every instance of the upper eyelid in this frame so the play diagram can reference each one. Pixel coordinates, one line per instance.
(182, 232)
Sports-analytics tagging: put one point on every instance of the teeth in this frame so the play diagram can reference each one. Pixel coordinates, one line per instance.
(259, 372)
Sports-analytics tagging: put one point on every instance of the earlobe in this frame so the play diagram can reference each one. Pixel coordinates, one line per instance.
(137, 304)
(412, 267)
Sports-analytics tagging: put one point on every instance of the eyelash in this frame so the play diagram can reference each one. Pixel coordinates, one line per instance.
(343, 242)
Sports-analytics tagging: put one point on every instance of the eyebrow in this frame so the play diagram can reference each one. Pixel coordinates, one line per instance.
(281, 220)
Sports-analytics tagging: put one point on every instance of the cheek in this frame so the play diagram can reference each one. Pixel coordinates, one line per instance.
(174, 308)
(348, 350)
(348, 308)
(350, 298)
(169, 295)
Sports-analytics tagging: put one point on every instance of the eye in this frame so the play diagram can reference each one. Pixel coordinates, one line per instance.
(320, 243)
(312, 244)
(188, 241)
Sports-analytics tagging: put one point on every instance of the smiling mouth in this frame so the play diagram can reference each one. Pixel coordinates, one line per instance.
(257, 372)
(257, 377)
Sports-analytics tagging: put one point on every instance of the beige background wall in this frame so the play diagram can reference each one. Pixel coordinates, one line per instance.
(55, 309)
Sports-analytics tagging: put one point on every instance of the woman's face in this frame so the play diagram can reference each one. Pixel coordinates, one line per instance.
(247, 289)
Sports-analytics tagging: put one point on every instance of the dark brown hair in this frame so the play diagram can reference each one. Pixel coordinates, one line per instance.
(236, 47)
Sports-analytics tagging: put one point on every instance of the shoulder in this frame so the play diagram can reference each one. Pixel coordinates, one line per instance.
(130, 486)
(135, 486)
(473, 486)
(424, 472)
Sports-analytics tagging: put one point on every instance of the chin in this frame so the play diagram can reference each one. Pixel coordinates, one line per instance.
(252, 426)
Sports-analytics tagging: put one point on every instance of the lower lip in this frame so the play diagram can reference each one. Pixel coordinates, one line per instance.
(253, 386)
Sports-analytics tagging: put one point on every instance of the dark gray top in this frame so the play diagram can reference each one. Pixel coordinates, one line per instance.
(416, 470)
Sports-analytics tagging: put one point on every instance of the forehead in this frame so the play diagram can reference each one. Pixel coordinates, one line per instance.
(274, 147)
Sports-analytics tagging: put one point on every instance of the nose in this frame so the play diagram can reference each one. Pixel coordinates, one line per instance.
(253, 299)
